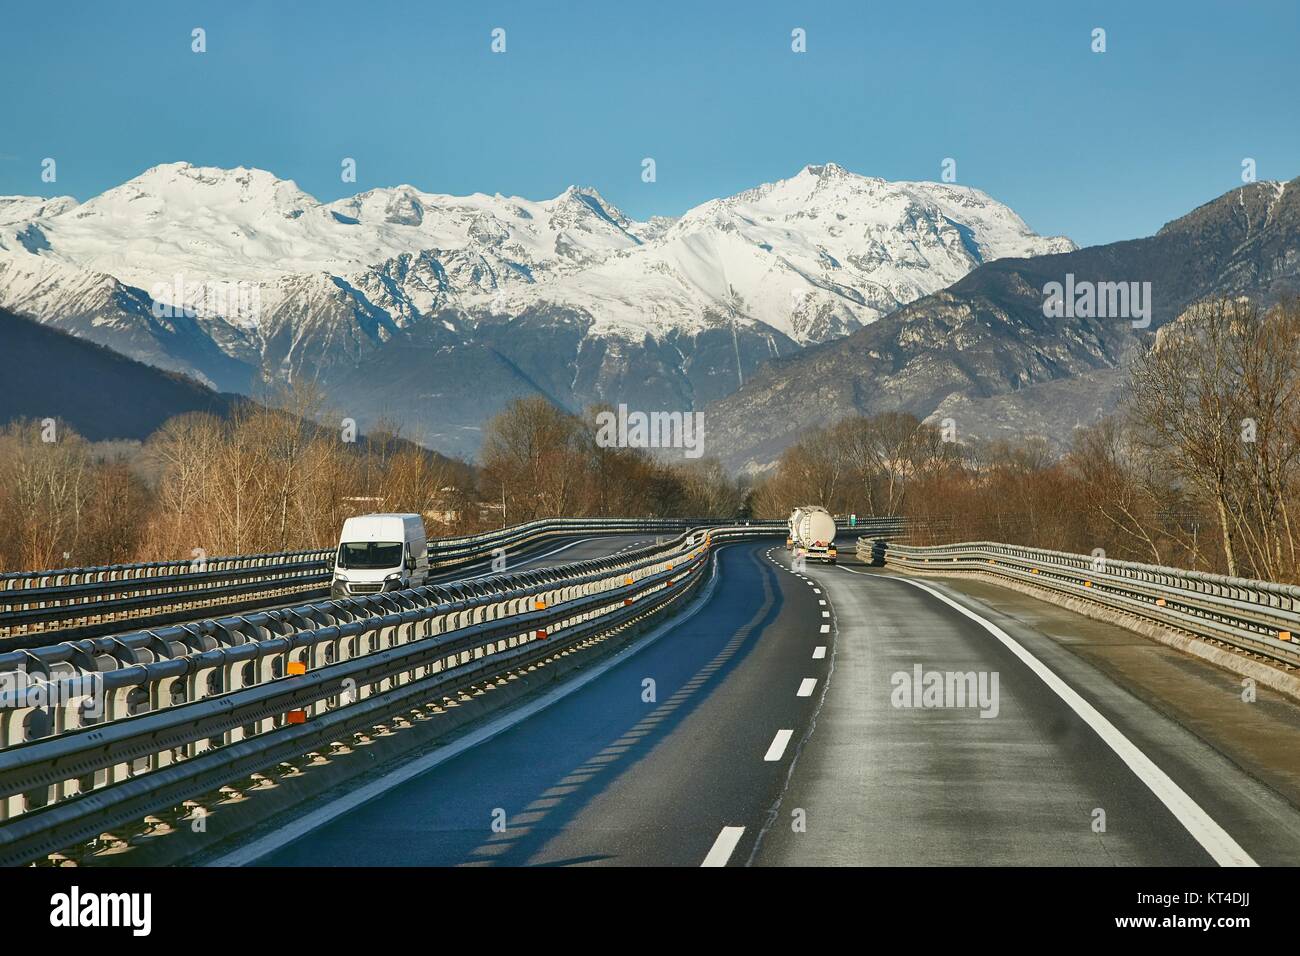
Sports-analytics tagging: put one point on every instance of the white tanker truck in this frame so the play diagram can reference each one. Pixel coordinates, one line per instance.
(812, 534)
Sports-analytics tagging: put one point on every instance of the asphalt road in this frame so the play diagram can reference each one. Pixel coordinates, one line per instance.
(557, 551)
(778, 734)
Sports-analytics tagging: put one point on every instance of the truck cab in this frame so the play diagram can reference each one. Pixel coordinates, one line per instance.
(381, 552)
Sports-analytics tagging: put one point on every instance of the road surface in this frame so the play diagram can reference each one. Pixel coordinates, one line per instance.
(775, 734)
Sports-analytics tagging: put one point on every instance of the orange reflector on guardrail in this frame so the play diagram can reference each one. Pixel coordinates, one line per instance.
(296, 669)
(1160, 602)
(1034, 571)
(541, 635)
(1284, 635)
(627, 580)
(540, 605)
(1087, 584)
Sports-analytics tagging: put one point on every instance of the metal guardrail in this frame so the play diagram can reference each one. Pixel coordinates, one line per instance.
(1259, 617)
(41, 600)
(89, 601)
(97, 734)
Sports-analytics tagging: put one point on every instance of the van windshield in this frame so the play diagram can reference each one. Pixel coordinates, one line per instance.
(364, 555)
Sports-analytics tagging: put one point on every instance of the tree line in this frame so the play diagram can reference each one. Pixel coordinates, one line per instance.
(1196, 469)
(270, 478)
(541, 461)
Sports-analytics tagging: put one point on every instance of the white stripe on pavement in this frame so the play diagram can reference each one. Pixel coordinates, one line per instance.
(775, 751)
(723, 846)
(806, 688)
(819, 653)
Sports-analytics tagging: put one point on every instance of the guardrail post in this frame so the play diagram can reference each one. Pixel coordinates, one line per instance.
(117, 706)
(13, 730)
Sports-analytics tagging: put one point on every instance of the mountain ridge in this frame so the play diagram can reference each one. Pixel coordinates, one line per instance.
(984, 353)
(568, 292)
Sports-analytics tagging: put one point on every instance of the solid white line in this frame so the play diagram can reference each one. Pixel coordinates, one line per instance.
(1216, 841)
(826, 629)
(775, 751)
(806, 688)
(320, 816)
(819, 653)
(723, 846)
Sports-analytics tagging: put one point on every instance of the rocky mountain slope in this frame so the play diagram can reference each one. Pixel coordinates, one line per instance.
(101, 394)
(984, 353)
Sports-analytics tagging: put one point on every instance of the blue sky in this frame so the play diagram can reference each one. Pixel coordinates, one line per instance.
(1095, 146)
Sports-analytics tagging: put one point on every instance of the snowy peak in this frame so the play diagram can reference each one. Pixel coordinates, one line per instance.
(21, 209)
(174, 191)
(401, 206)
(249, 225)
(807, 258)
(812, 257)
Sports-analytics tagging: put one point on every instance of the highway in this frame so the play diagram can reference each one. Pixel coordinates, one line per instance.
(775, 735)
(545, 554)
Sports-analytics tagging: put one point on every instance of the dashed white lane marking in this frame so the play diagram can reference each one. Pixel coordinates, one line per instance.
(821, 601)
(1203, 828)
(806, 688)
(817, 590)
(777, 750)
(723, 846)
(826, 613)
(819, 653)
(826, 629)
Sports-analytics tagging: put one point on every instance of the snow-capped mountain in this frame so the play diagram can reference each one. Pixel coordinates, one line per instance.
(246, 225)
(19, 209)
(438, 309)
(983, 353)
(812, 257)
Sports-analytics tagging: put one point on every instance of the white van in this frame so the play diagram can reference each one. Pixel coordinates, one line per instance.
(380, 553)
